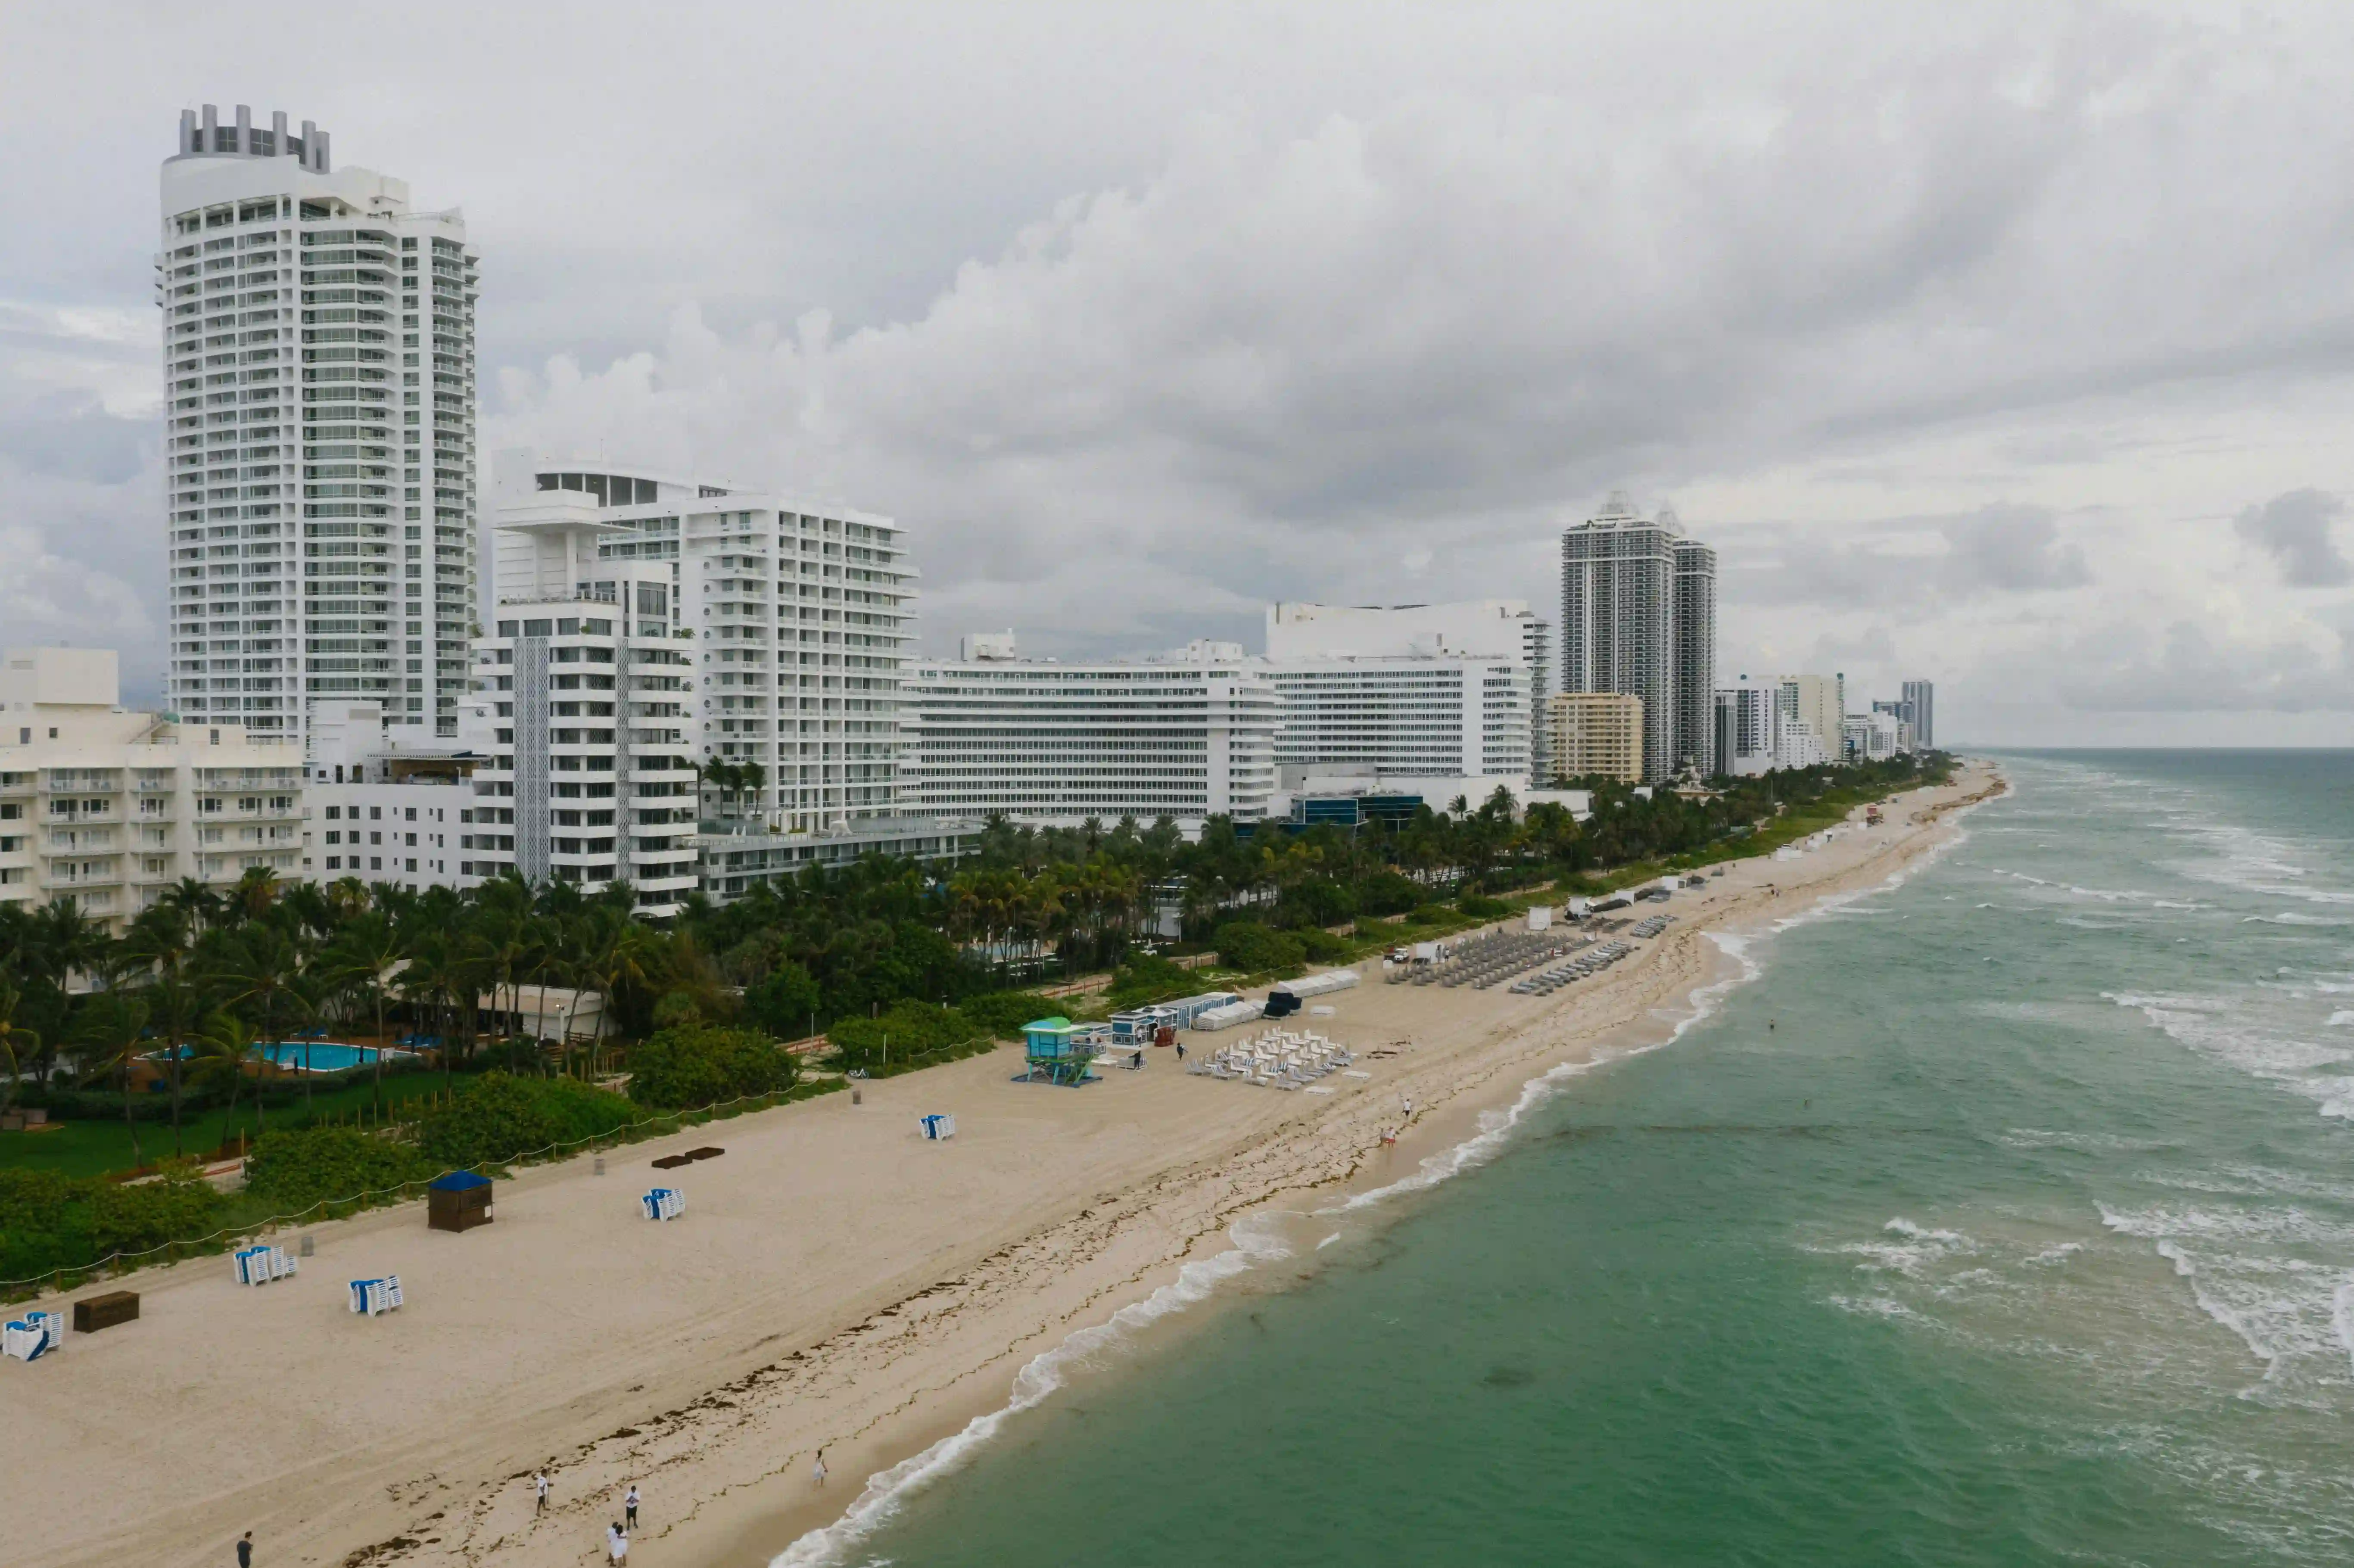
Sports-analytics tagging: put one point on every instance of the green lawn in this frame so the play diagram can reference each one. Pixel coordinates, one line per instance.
(96, 1147)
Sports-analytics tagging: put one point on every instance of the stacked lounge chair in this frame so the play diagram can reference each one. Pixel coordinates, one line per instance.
(663, 1204)
(261, 1265)
(937, 1126)
(34, 1335)
(377, 1297)
(1279, 1059)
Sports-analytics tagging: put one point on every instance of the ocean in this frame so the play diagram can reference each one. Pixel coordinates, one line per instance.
(2005, 1215)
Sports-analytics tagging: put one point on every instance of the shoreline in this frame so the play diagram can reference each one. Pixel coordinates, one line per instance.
(1464, 1131)
(709, 1368)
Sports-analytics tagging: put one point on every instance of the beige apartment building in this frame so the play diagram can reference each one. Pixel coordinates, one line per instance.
(111, 808)
(1596, 733)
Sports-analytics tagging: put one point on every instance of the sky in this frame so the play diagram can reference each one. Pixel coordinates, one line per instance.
(2007, 347)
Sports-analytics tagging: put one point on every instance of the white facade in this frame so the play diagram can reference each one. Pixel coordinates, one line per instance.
(584, 712)
(1188, 737)
(1796, 745)
(382, 809)
(319, 434)
(1874, 737)
(111, 808)
(801, 619)
(1489, 627)
(1443, 714)
(1745, 728)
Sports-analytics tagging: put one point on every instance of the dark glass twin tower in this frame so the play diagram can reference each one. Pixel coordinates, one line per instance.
(1638, 616)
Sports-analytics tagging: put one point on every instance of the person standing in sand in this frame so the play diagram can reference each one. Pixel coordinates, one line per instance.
(616, 1543)
(539, 1485)
(630, 1507)
(817, 1469)
(245, 1550)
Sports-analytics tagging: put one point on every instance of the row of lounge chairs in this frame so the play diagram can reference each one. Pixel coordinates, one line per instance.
(1474, 952)
(1279, 1059)
(1652, 927)
(1592, 962)
(1534, 949)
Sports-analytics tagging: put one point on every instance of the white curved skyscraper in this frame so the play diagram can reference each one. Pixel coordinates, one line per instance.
(319, 433)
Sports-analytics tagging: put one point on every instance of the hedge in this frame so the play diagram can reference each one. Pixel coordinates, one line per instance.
(300, 1168)
(498, 1118)
(698, 1064)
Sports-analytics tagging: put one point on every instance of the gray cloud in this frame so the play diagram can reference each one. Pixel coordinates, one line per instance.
(1146, 320)
(1999, 549)
(2293, 529)
(71, 435)
(2184, 669)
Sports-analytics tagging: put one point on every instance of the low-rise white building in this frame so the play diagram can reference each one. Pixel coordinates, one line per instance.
(381, 807)
(111, 808)
(1188, 736)
(1872, 738)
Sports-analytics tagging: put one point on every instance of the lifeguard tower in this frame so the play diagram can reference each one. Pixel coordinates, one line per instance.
(1061, 1052)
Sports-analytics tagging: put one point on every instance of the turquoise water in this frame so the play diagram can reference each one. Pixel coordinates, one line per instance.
(317, 1056)
(2024, 1235)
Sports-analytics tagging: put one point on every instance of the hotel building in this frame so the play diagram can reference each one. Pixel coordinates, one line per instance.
(319, 433)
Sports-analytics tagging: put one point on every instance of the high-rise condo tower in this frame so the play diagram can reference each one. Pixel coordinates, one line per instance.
(319, 433)
(1638, 617)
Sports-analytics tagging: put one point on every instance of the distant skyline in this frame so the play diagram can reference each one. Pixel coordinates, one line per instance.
(2008, 348)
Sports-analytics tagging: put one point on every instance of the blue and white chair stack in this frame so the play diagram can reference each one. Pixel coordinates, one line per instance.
(261, 1265)
(34, 1335)
(937, 1127)
(663, 1204)
(376, 1296)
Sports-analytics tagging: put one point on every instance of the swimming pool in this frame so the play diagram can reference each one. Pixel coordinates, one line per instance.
(325, 1055)
(322, 1055)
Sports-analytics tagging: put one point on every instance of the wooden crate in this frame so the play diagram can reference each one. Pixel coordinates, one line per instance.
(460, 1210)
(93, 1313)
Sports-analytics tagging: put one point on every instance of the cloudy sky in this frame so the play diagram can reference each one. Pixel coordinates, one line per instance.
(2011, 349)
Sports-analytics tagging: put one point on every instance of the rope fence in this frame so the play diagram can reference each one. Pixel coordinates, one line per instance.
(121, 1262)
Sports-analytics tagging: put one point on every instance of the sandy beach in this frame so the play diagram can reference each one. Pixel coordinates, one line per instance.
(837, 1283)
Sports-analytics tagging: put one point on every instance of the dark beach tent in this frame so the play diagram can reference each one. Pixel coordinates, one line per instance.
(458, 1202)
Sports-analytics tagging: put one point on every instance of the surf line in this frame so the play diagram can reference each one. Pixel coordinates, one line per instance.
(887, 1491)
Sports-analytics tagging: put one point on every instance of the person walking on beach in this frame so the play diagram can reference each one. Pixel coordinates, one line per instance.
(1180, 1050)
(245, 1550)
(817, 1470)
(539, 1485)
(630, 1507)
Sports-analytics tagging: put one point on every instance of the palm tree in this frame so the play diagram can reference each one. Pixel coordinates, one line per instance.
(271, 973)
(434, 978)
(365, 957)
(195, 904)
(223, 1051)
(161, 941)
(114, 1026)
(254, 894)
(16, 1039)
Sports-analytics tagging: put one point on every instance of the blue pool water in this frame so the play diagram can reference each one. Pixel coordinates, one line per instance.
(318, 1057)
